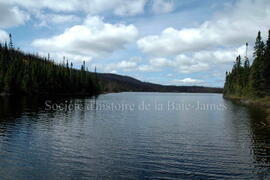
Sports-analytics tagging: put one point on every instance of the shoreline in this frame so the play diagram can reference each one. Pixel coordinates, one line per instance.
(263, 103)
(100, 93)
(51, 95)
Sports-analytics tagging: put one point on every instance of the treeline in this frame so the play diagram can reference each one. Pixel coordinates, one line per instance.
(119, 83)
(251, 81)
(22, 73)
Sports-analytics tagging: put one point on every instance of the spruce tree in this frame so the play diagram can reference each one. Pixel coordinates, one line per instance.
(22, 73)
(266, 69)
(10, 41)
(256, 79)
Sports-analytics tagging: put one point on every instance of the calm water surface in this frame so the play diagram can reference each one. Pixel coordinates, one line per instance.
(132, 136)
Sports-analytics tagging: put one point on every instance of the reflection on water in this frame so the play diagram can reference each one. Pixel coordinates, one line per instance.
(134, 143)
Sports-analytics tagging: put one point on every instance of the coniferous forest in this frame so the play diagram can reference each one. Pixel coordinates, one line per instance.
(29, 74)
(250, 80)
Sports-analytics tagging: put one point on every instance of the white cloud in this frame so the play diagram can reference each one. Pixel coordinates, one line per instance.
(62, 18)
(94, 38)
(124, 66)
(58, 57)
(234, 26)
(185, 64)
(147, 68)
(212, 45)
(181, 64)
(162, 6)
(188, 81)
(11, 15)
(199, 61)
(3, 36)
(161, 62)
(114, 72)
(220, 56)
(129, 7)
(131, 65)
(135, 59)
(47, 19)
(118, 7)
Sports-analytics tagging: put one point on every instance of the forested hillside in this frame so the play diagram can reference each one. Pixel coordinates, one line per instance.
(22, 73)
(251, 81)
(118, 83)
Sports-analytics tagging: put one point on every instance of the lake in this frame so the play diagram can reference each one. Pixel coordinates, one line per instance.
(132, 136)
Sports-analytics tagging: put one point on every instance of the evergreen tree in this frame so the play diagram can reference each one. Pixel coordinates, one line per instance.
(22, 73)
(10, 41)
(257, 80)
(266, 69)
(251, 81)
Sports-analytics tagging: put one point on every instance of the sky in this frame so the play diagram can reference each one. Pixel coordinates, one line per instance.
(170, 42)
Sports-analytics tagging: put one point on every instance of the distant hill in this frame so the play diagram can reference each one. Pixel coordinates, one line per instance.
(118, 83)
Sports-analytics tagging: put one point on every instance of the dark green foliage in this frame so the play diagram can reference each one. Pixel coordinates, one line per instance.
(266, 69)
(251, 81)
(256, 79)
(22, 73)
(236, 80)
(10, 42)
